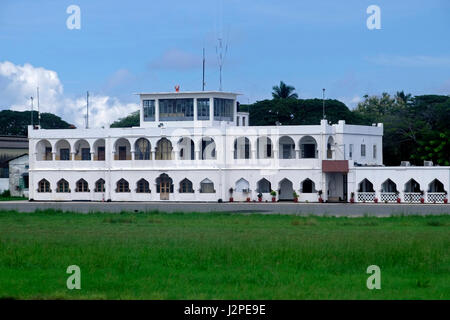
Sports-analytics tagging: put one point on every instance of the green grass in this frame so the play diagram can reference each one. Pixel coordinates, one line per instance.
(222, 256)
(12, 198)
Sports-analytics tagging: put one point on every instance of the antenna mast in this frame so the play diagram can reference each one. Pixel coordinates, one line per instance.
(323, 104)
(39, 113)
(221, 53)
(87, 109)
(32, 124)
(203, 82)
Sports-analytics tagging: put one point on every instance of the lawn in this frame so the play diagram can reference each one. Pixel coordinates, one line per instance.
(222, 256)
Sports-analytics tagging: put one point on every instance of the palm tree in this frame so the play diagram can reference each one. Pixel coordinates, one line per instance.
(283, 91)
(402, 97)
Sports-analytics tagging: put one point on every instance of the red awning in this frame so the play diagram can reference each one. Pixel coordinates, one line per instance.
(335, 166)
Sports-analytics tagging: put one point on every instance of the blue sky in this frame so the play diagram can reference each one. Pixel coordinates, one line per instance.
(131, 46)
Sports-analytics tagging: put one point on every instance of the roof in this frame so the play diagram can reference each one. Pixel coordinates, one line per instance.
(22, 155)
(188, 92)
(335, 166)
(13, 142)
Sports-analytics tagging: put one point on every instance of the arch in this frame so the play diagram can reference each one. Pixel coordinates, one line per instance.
(186, 186)
(99, 150)
(242, 148)
(163, 179)
(242, 185)
(43, 150)
(82, 186)
(264, 148)
(163, 149)
(122, 149)
(142, 149)
(330, 145)
(412, 186)
(122, 186)
(44, 186)
(62, 150)
(207, 186)
(264, 186)
(285, 190)
(436, 186)
(286, 147)
(365, 186)
(388, 186)
(62, 186)
(307, 186)
(142, 186)
(82, 150)
(308, 148)
(99, 185)
(208, 151)
(186, 149)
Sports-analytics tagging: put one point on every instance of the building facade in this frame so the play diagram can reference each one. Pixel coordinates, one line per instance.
(196, 146)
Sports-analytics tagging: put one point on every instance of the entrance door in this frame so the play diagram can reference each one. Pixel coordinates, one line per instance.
(164, 188)
(122, 153)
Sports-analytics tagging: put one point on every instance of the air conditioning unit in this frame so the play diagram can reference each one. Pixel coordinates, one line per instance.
(405, 164)
(428, 163)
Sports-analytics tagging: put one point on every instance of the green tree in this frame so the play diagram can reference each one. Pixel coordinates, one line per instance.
(283, 91)
(132, 120)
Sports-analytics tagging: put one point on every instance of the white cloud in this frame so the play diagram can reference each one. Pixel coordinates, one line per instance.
(19, 83)
(410, 61)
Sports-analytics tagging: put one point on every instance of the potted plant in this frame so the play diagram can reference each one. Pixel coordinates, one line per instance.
(445, 197)
(422, 199)
(259, 197)
(231, 194)
(295, 196)
(352, 197)
(375, 200)
(398, 198)
(320, 196)
(274, 195)
(248, 199)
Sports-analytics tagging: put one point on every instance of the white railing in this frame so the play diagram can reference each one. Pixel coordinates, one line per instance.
(412, 196)
(389, 196)
(436, 197)
(366, 196)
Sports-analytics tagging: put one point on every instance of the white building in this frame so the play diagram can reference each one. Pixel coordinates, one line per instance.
(195, 146)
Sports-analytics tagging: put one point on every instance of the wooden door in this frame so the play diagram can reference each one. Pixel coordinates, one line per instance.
(164, 188)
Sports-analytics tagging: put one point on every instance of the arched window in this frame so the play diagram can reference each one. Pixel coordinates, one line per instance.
(286, 190)
(207, 186)
(82, 186)
(187, 149)
(44, 186)
(62, 186)
(242, 148)
(436, 186)
(99, 150)
(186, 186)
(208, 148)
(307, 186)
(264, 186)
(287, 148)
(308, 148)
(82, 150)
(264, 148)
(122, 149)
(63, 150)
(123, 186)
(365, 186)
(142, 149)
(142, 186)
(330, 146)
(388, 186)
(242, 185)
(412, 186)
(163, 150)
(100, 185)
(44, 151)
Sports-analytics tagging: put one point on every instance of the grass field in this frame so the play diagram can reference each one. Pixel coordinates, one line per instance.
(222, 256)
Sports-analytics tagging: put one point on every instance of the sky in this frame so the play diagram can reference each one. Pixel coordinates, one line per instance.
(125, 47)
